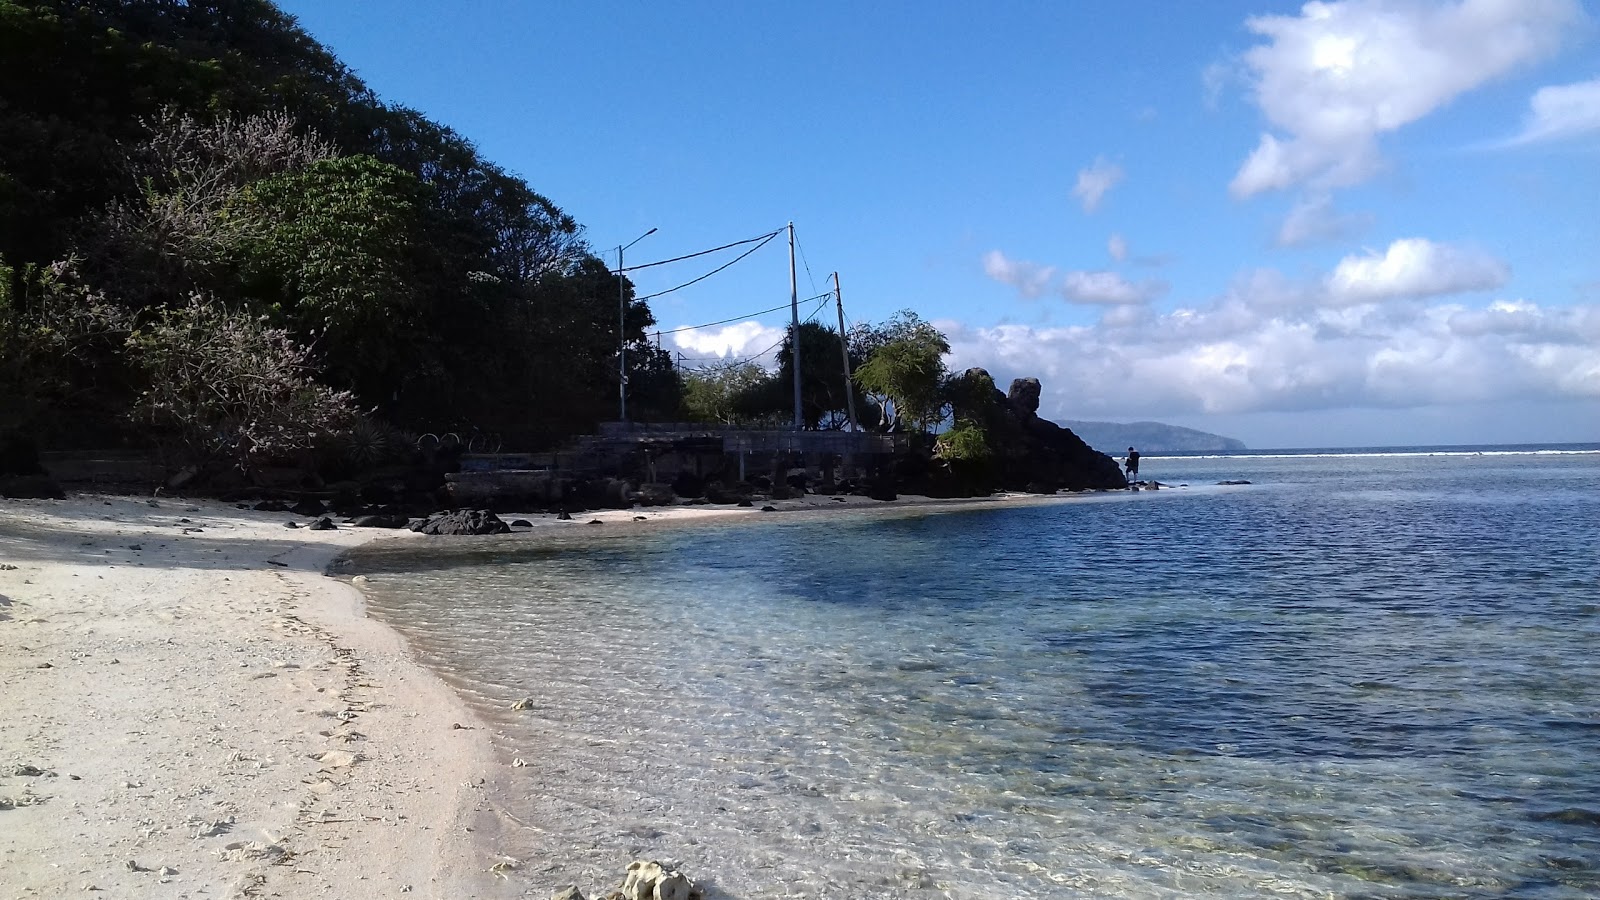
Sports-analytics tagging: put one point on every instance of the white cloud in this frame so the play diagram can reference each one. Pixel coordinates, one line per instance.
(1233, 356)
(1338, 75)
(1108, 289)
(1314, 219)
(1095, 182)
(1030, 279)
(1414, 267)
(1117, 246)
(737, 340)
(1562, 111)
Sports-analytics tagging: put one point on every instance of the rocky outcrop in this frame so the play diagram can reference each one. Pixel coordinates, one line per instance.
(462, 521)
(1028, 453)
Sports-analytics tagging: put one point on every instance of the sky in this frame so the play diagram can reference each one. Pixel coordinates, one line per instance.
(1345, 223)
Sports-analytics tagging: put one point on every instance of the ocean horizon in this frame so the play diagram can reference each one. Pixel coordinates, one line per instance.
(1389, 450)
(1367, 673)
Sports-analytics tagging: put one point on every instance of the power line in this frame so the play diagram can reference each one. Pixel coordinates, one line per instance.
(662, 262)
(713, 271)
(776, 344)
(743, 317)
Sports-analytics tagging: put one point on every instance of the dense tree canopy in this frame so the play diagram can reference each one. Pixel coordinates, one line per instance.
(169, 153)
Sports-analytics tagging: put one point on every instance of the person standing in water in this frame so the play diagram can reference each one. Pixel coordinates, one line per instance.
(1132, 466)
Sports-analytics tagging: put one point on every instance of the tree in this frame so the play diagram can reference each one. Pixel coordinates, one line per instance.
(330, 255)
(58, 347)
(229, 389)
(720, 392)
(824, 401)
(905, 373)
(183, 232)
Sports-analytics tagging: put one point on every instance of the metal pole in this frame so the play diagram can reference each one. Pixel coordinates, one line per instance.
(844, 350)
(794, 330)
(622, 329)
(622, 340)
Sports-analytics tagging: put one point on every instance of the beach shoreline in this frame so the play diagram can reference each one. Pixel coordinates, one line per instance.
(210, 714)
(189, 707)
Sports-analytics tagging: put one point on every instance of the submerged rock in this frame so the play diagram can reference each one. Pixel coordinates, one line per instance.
(649, 880)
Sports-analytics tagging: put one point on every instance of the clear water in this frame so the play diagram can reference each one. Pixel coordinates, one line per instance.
(1361, 676)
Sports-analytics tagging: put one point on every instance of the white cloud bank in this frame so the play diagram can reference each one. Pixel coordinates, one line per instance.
(1563, 111)
(734, 341)
(1095, 182)
(1338, 75)
(1030, 279)
(1108, 289)
(1358, 337)
(1414, 267)
(1095, 288)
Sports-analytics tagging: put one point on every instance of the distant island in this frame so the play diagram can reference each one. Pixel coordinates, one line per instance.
(1150, 437)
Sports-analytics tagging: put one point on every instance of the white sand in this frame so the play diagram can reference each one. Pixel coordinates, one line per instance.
(182, 700)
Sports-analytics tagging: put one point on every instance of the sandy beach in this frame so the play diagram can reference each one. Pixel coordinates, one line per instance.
(190, 707)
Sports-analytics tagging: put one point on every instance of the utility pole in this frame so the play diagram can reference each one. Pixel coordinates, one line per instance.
(844, 351)
(794, 330)
(622, 328)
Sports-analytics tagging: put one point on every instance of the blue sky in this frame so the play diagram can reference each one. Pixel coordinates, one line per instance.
(1337, 224)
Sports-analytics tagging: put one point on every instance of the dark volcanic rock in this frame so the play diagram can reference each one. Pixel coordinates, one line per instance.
(521, 523)
(322, 524)
(717, 492)
(1024, 395)
(688, 484)
(309, 507)
(462, 521)
(1028, 453)
(381, 521)
(271, 506)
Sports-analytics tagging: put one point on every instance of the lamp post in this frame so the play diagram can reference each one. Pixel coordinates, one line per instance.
(622, 328)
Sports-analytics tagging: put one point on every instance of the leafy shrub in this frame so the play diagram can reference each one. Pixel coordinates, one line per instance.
(228, 389)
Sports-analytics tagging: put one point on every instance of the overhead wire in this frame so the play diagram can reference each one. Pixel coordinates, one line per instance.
(713, 271)
(775, 345)
(740, 318)
(661, 262)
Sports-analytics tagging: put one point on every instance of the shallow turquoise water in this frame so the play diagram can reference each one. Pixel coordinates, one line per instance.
(1358, 677)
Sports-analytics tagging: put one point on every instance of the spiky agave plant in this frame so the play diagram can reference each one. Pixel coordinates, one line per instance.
(368, 444)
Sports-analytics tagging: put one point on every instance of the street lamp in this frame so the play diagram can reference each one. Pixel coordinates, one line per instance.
(622, 328)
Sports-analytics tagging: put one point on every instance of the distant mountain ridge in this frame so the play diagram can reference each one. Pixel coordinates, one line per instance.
(1150, 437)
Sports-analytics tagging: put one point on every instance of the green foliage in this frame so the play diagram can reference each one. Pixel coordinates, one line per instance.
(331, 255)
(226, 388)
(216, 149)
(905, 372)
(720, 392)
(824, 402)
(58, 343)
(966, 442)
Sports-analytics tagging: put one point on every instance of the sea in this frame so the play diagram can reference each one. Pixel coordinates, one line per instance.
(1364, 674)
